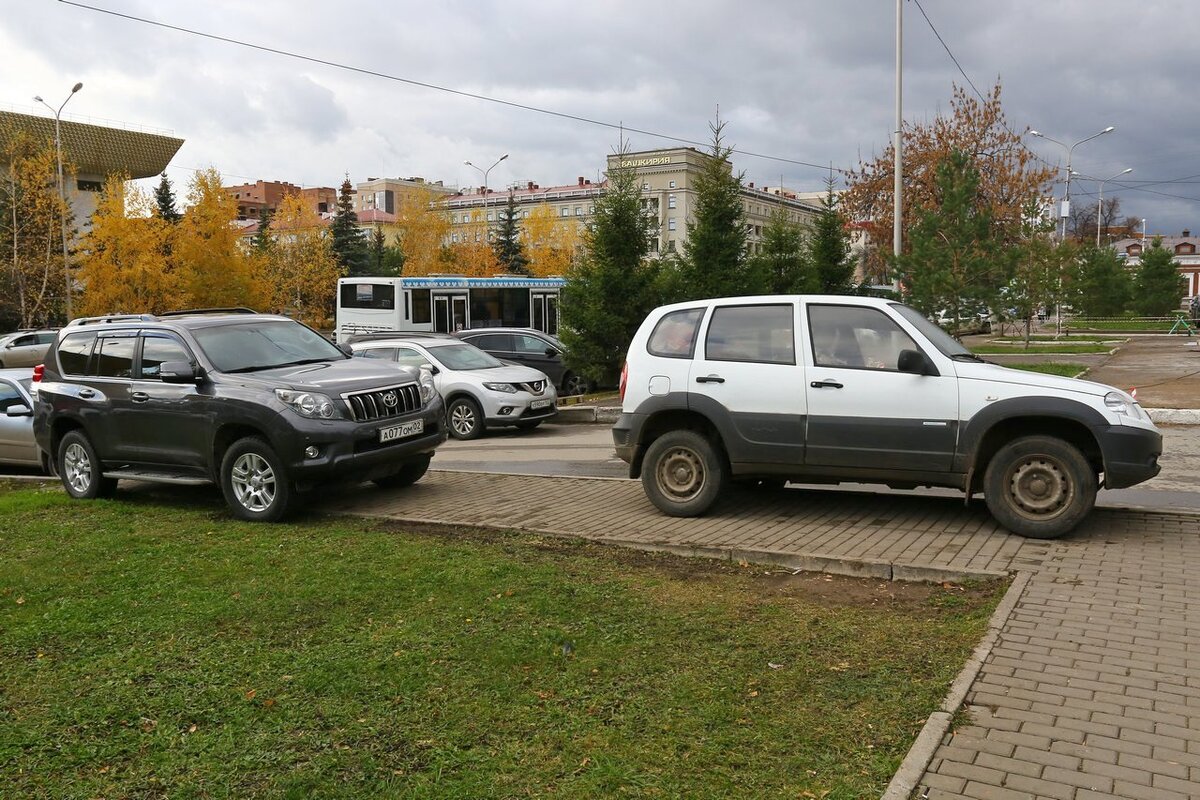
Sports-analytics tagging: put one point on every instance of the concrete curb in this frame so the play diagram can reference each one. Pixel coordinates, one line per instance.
(605, 415)
(913, 767)
(1174, 416)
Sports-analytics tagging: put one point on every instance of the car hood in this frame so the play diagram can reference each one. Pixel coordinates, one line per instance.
(995, 372)
(333, 377)
(506, 374)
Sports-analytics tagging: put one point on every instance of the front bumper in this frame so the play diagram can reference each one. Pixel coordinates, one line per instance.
(501, 409)
(1130, 455)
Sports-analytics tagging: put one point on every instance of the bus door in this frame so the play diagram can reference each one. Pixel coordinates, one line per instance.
(545, 312)
(450, 313)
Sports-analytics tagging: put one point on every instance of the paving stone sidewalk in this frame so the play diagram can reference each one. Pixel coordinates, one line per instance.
(1093, 689)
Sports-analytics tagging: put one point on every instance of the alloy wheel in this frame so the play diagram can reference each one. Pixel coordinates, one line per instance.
(462, 419)
(253, 482)
(77, 468)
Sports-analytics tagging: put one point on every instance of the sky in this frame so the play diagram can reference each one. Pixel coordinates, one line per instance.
(798, 80)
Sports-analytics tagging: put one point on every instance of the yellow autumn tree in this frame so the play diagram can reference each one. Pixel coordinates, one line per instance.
(212, 267)
(550, 242)
(423, 231)
(122, 261)
(300, 266)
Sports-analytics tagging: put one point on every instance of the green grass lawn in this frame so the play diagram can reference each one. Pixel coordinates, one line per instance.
(1067, 370)
(155, 648)
(1041, 347)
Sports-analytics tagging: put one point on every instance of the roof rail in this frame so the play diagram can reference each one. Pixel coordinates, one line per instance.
(110, 318)
(187, 312)
(377, 335)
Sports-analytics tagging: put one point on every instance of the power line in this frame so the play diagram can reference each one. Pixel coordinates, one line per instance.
(946, 47)
(435, 87)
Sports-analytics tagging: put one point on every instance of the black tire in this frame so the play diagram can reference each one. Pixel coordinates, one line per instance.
(261, 490)
(529, 424)
(1040, 487)
(464, 418)
(683, 473)
(573, 384)
(79, 468)
(407, 475)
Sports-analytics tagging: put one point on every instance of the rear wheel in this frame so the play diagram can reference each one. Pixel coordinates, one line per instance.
(683, 473)
(254, 481)
(80, 469)
(1039, 486)
(573, 384)
(407, 475)
(466, 420)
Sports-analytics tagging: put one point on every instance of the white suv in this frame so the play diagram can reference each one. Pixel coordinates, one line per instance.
(826, 389)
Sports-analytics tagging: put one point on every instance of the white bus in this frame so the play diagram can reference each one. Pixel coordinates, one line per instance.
(446, 303)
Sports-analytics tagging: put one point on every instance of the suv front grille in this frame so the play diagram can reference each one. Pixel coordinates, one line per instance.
(392, 401)
(533, 387)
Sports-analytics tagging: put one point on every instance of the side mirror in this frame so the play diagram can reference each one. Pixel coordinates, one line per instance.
(915, 362)
(551, 352)
(177, 372)
(346, 349)
(21, 410)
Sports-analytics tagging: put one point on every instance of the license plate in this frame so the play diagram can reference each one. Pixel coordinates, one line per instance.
(541, 404)
(401, 431)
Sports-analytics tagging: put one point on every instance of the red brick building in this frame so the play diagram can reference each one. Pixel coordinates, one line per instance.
(252, 198)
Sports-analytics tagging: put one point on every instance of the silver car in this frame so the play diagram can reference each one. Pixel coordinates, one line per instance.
(480, 391)
(24, 348)
(16, 419)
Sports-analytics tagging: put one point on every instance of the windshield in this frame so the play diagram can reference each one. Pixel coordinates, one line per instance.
(941, 340)
(250, 346)
(463, 356)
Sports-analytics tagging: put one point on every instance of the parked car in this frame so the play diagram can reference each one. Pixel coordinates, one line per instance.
(259, 404)
(24, 348)
(830, 389)
(531, 348)
(480, 392)
(17, 445)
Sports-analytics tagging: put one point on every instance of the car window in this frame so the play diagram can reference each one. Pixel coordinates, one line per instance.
(675, 334)
(499, 342)
(73, 352)
(941, 340)
(411, 357)
(24, 341)
(530, 345)
(463, 356)
(382, 353)
(115, 357)
(857, 337)
(9, 396)
(759, 333)
(46, 338)
(251, 346)
(157, 350)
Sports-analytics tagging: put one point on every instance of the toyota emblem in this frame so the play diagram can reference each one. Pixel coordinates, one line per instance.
(390, 399)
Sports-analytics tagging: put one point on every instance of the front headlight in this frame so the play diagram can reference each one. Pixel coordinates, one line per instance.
(1115, 401)
(313, 405)
(507, 388)
(426, 386)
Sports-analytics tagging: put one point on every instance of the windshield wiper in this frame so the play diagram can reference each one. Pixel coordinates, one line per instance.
(258, 367)
(967, 357)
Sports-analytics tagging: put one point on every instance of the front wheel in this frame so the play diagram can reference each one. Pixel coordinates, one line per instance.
(79, 468)
(466, 420)
(255, 482)
(573, 384)
(407, 475)
(683, 473)
(1039, 486)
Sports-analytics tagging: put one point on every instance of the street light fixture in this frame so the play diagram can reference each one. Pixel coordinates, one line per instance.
(1066, 207)
(1100, 203)
(484, 173)
(62, 195)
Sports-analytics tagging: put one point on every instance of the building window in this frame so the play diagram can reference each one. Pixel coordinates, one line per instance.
(489, 219)
(90, 186)
(579, 211)
(670, 223)
(592, 209)
(670, 245)
(564, 211)
(524, 215)
(671, 185)
(646, 186)
(654, 245)
(670, 201)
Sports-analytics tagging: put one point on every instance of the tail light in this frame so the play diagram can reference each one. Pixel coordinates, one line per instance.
(624, 380)
(38, 372)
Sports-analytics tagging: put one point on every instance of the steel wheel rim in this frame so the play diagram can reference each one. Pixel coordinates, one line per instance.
(77, 467)
(253, 482)
(462, 419)
(1039, 487)
(681, 473)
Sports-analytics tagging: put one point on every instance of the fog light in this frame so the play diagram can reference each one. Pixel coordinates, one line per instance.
(505, 410)
(311, 452)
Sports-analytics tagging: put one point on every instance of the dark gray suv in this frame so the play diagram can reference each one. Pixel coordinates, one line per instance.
(259, 404)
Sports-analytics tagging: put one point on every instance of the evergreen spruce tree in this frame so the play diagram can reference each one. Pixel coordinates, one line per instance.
(349, 241)
(510, 252)
(612, 286)
(1159, 286)
(828, 248)
(164, 198)
(713, 263)
(263, 240)
(781, 267)
(1102, 287)
(386, 259)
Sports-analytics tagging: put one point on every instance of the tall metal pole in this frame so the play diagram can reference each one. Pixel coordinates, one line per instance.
(1100, 203)
(898, 166)
(484, 173)
(62, 195)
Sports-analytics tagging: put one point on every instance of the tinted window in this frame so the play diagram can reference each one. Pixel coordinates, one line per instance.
(421, 306)
(23, 341)
(250, 346)
(368, 295)
(46, 338)
(9, 396)
(531, 345)
(765, 334)
(73, 353)
(385, 353)
(849, 336)
(675, 334)
(156, 351)
(115, 357)
(492, 342)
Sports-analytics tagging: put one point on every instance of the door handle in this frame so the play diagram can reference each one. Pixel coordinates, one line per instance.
(139, 397)
(710, 379)
(87, 393)
(825, 384)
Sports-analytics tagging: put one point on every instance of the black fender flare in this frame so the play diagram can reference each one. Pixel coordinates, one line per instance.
(977, 427)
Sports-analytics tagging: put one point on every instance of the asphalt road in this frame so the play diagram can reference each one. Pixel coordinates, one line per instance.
(586, 451)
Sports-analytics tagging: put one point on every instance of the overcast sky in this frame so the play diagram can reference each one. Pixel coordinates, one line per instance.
(796, 79)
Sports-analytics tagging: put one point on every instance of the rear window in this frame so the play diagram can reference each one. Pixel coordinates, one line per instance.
(675, 334)
(73, 352)
(761, 333)
(369, 295)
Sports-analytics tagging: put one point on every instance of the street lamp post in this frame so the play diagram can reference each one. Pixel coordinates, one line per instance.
(484, 173)
(1100, 203)
(1066, 208)
(62, 195)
